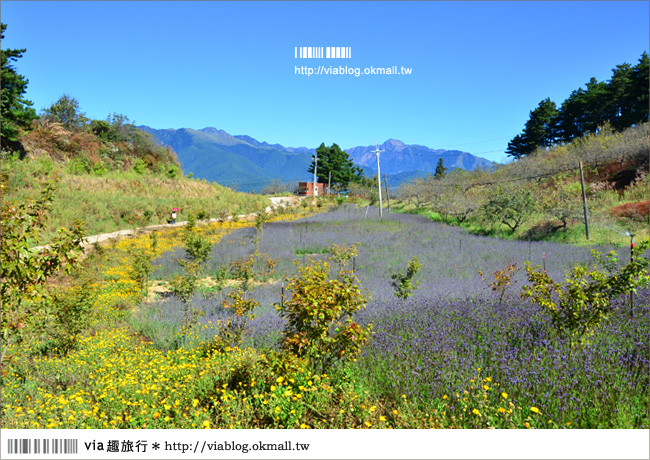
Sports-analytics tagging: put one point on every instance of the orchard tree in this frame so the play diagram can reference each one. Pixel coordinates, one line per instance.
(509, 207)
(16, 111)
(333, 159)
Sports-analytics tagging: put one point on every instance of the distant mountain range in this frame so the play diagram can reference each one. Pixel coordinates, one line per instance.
(248, 165)
(403, 162)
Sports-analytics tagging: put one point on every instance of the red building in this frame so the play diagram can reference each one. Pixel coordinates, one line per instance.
(307, 189)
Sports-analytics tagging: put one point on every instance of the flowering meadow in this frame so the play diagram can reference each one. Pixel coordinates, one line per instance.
(465, 350)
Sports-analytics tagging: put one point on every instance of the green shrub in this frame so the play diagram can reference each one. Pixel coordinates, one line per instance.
(140, 166)
(578, 305)
(173, 172)
(198, 247)
(79, 165)
(319, 314)
(403, 282)
(184, 286)
(72, 312)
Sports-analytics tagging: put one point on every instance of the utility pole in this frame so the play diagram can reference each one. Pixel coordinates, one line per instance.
(377, 152)
(329, 184)
(315, 157)
(584, 199)
(386, 186)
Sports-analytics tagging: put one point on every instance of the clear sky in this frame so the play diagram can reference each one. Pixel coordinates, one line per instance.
(478, 68)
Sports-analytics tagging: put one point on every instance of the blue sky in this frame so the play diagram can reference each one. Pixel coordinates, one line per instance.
(478, 68)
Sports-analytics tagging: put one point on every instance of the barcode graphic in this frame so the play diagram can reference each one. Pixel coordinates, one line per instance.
(320, 52)
(42, 446)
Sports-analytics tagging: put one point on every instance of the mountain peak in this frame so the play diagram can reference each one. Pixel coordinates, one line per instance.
(211, 130)
(394, 144)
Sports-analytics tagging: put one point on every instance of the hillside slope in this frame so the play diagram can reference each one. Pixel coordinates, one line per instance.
(111, 185)
(540, 197)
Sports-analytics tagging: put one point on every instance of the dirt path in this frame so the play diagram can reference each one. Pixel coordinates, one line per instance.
(275, 203)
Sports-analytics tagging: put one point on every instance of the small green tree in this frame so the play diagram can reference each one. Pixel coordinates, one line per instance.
(25, 267)
(198, 249)
(403, 282)
(261, 217)
(242, 270)
(342, 255)
(66, 111)
(441, 171)
(184, 286)
(141, 267)
(319, 314)
(579, 304)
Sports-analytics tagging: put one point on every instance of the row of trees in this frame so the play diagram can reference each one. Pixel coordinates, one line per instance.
(620, 102)
(462, 197)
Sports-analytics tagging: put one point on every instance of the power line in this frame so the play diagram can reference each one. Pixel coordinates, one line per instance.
(480, 142)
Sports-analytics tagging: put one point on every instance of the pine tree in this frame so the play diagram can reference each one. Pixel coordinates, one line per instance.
(333, 159)
(440, 169)
(16, 111)
(640, 95)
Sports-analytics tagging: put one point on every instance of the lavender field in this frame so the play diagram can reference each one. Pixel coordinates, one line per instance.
(454, 336)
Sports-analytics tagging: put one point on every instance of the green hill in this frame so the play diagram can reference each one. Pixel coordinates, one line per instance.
(237, 161)
(111, 185)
